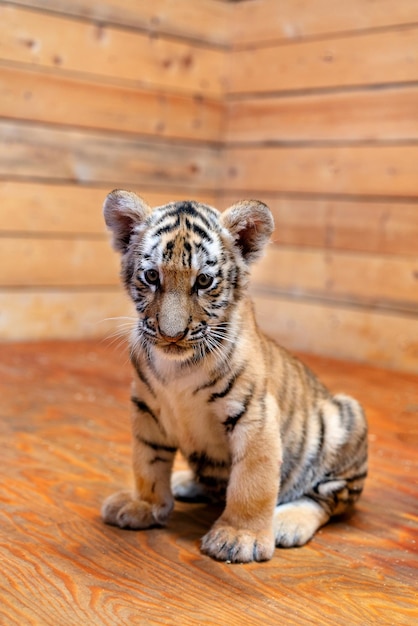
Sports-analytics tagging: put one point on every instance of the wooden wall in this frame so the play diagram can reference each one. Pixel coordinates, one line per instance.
(323, 126)
(311, 107)
(93, 96)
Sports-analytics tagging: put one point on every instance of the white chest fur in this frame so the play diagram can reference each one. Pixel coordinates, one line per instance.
(190, 422)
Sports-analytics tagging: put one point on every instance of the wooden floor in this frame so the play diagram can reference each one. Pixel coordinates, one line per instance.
(65, 445)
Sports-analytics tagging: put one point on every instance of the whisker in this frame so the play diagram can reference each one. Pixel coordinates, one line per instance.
(215, 348)
(215, 335)
(119, 337)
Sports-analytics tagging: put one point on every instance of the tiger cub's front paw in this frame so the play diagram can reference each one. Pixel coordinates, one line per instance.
(225, 543)
(124, 510)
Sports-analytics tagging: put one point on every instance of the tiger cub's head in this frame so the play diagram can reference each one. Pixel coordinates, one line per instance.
(185, 266)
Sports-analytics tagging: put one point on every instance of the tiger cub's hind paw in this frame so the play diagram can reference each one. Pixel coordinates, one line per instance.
(185, 488)
(296, 523)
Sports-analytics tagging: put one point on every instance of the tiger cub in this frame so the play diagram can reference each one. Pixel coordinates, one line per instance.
(256, 426)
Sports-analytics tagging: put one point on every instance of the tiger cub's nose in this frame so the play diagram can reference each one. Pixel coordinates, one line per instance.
(173, 338)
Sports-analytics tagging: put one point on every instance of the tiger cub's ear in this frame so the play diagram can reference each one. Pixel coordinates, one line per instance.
(251, 223)
(123, 210)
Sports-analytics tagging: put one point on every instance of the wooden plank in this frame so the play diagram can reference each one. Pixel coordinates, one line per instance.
(389, 339)
(361, 279)
(368, 59)
(372, 280)
(206, 20)
(37, 208)
(387, 114)
(381, 338)
(66, 444)
(44, 314)
(380, 227)
(353, 170)
(46, 97)
(32, 151)
(256, 22)
(26, 262)
(51, 41)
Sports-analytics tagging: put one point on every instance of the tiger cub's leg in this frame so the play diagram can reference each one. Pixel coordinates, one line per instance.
(244, 532)
(151, 501)
(343, 457)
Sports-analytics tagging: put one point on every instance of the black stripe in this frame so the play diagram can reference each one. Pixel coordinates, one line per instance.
(227, 389)
(187, 255)
(233, 277)
(347, 415)
(328, 503)
(201, 461)
(144, 408)
(201, 232)
(352, 479)
(168, 252)
(140, 303)
(295, 461)
(159, 459)
(220, 305)
(208, 217)
(156, 446)
(313, 459)
(232, 420)
(168, 228)
(211, 383)
(199, 246)
(169, 210)
(140, 373)
(190, 210)
(212, 482)
(129, 272)
(321, 438)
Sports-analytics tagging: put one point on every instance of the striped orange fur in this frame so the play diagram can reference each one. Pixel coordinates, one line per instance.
(258, 429)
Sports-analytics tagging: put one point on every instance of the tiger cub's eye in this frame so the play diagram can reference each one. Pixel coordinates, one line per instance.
(152, 277)
(203, 281)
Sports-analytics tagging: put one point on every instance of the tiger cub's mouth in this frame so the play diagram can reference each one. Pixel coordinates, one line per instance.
(173, 348)
(177, 349)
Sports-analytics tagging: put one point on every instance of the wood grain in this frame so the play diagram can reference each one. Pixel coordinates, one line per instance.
(352, 170)
(368, 59)
(67, 446)
(70, 262)
(52, 41)
(37, 152)
(391, 227)
(45, 97)
(383, 115)
(71, 313)
(31, 208)
(260, 22)
(378, 280)
(57, 263)
(348, 331)
(206, 21)
(109, 94)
